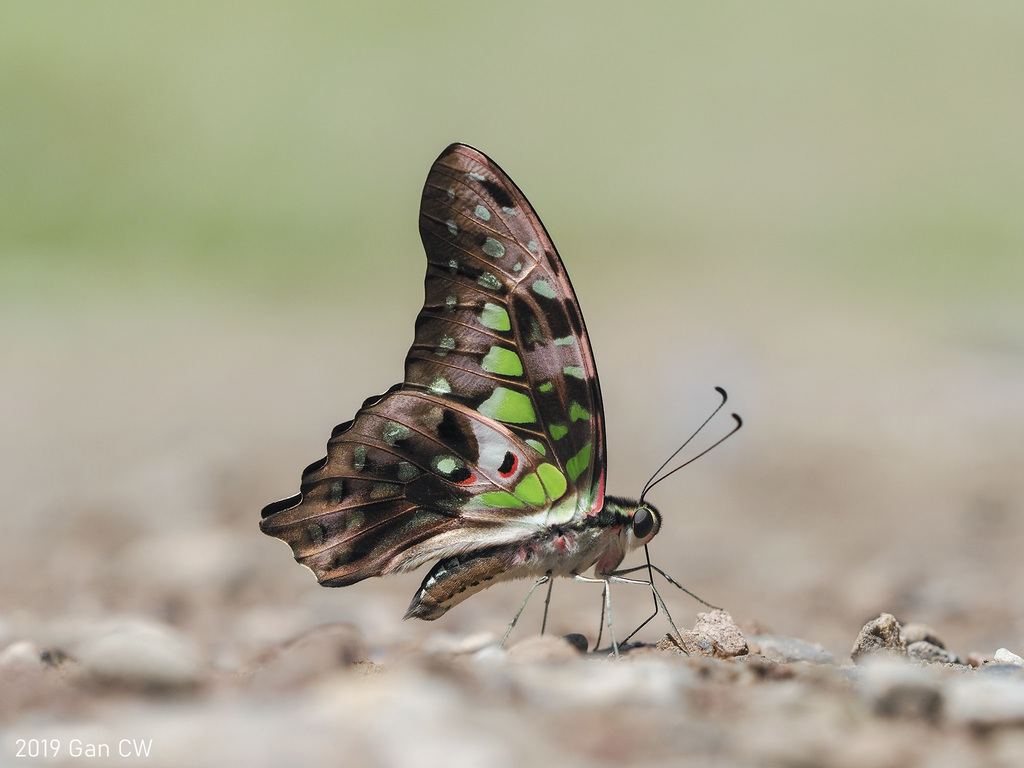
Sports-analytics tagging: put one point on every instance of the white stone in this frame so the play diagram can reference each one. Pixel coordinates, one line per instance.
(1004, 656)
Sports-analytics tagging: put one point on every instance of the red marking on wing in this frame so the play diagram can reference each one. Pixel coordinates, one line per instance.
(469, 480)
(515, 466)
(598, 504)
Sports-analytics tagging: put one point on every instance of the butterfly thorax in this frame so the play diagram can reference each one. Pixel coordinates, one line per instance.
(600, 540)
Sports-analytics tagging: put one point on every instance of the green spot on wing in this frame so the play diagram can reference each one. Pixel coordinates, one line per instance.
(509, 406)
(337, 491)
(565, 341)
(495, 317)
(538, 446)
(502, 361)
(341, 555)
(384, 490)
(577, 412)
(578, 463)
(542, 288)
(407, 471)
(530, 490)
(316, 533)
(574, 371)
(482, 213)
(446, 465)
(440, 386)
(393, 432)
(452, 226)
(445, 345)
(499, 499)
(493, 248)
(553, 479)
(547, 386)
(489, 281)
(558, 431)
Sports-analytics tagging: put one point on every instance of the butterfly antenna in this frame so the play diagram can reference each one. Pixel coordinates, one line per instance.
(733, 431)
(652, 481)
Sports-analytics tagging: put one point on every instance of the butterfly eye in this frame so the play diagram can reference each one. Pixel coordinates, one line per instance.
(643, 523)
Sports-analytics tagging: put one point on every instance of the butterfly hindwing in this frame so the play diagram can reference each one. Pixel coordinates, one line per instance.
(404, 483)
(497, 429)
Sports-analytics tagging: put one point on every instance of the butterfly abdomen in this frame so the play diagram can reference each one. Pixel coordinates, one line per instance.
(454, 579)
(558, 551)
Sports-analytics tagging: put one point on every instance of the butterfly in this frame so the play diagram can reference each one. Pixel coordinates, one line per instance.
(488, 460)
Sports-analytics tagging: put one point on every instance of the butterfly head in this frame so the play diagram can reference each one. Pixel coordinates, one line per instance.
(645, 522)
(638, 521)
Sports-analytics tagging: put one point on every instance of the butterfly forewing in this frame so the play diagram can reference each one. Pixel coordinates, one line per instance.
(497, 430)
(501, 331)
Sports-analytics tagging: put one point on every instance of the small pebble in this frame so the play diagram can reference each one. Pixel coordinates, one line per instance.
(28, 680)
(784, 649)
(986, 701)
(693, 644)
(20, 656)
(140, 654)
(896, 688)
(543, 648)
(922, 650)
(720, 628)
(578, 641)
(976, 659)
(879, 636)
(915, 633)
(1005, 656)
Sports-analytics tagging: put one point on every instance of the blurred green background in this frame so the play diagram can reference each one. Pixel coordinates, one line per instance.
(209, 256)
(871, 149)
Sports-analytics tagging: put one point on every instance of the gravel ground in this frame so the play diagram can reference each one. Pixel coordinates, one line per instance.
(141, 603)
(320, 698)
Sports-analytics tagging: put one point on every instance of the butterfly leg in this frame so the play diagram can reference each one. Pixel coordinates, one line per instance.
(670, 580)
(645, 622)
(547, 602)
(541, 580)
(659, 603)
(606, 610)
